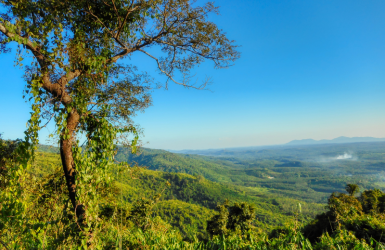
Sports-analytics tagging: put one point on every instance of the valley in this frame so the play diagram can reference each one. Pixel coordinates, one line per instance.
(275, 180)
(308, 172)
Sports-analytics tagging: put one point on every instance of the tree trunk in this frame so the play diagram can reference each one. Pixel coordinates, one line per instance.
(68, 162)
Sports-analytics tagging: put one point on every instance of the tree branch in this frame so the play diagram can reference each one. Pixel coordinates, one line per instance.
(56, 89)
(125, 19)
(169, 74)
(28, 43)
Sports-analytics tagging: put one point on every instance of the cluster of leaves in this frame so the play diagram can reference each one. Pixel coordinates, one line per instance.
(237, 218)
(363, 216)
(7, 157)
(37, 214)
(188, 219)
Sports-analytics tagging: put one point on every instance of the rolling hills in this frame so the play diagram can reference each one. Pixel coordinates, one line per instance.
(275, 180)
(194, 195)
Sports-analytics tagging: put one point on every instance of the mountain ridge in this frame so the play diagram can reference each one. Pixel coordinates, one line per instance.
(341, 139)
(338, 140)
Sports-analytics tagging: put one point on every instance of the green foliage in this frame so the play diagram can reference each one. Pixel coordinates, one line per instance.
(309, 172)
(141, 213)
(7, 158)
(281, 172)
(75, 79)
(373, 201)
(271, 210)
(345, 240)
(217, 225)
(240, 217)
(231, 218)
(173, 224)
(186, 218)
(352, 189)
(359, 216)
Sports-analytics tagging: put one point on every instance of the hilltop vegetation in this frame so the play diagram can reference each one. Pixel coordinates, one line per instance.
(297, 177)
(158, 209)
(276, 179)
(191, 192)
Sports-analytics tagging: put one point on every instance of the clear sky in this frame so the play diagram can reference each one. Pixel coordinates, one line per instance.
(308, 69)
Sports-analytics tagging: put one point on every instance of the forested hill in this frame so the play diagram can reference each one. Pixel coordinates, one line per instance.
(191, 185)
(279, 176)
(308, 173)
(191, 198)
(161, 160)
(305, 173)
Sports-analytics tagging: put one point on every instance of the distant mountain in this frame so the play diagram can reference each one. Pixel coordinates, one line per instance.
(232, 151)
(341, 139)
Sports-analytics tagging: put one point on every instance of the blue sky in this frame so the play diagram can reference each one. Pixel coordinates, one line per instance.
(308, 69)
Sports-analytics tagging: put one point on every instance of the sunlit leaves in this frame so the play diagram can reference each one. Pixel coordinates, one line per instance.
(74, 77)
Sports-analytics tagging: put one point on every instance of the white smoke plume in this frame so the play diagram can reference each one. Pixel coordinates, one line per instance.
(345, 156)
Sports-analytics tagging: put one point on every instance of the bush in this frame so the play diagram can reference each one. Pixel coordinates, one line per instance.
(231, 218)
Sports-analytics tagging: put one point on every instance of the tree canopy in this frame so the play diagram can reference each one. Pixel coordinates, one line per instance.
(78, 77)
(352, 189)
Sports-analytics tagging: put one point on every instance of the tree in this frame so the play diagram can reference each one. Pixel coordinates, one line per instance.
(77, 76)
(360, 216)
(217, 225)
(372, 200)
(240, 217)
(352, 189)
(231, 218)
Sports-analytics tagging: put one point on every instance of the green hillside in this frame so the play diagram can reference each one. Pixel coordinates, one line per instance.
(169, 162)
(307, 173)
(191, 186)
(172, 210)
(190, 192)
(188, 218)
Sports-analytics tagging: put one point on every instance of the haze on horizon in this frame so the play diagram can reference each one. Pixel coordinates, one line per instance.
(308, 69)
